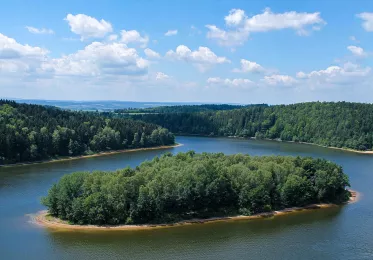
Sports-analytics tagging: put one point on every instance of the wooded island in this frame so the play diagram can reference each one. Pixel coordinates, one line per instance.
(186, 186)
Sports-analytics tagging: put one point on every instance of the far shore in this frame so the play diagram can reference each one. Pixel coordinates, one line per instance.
(331, 147)
(70, 158)
(278, 140)
(44, 219)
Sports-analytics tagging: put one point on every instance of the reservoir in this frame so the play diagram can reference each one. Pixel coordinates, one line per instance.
(334, 233)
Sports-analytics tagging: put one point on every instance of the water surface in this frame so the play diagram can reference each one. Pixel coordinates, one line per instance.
(335, 233)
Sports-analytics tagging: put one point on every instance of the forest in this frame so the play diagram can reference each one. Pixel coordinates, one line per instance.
(183, 108)
(188, 185)
(33, 132)
(335, 124)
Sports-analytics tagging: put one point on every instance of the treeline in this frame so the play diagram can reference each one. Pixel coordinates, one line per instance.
(341, 124)
(33, 132)
(188, 185)
(183, 108)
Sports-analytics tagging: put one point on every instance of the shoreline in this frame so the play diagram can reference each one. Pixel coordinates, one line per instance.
(281, 141)
(330, 147)
(42, 218)
(319, 145)
(70, 158)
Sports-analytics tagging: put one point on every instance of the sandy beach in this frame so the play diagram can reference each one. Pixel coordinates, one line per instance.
(42, 218)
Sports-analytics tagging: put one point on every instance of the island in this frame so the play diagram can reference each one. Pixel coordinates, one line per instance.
(190, 187)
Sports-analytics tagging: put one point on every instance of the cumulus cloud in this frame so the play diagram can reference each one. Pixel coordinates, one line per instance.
(240, 25)
(349, 73)
(10, 49)
(358, 51)
(274, 80)
(161, 76)
(87, 26)
(39, 31)
(134, 36)
(367, 21)
(19, 58)
(171, 33)
(203, 58)
(249, 66)
(98, 59)
(151, 54)
(232, 83)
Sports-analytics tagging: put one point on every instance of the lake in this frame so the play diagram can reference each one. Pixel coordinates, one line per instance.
(335, 233)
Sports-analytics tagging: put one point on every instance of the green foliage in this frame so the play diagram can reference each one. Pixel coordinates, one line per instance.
(180, 109)
(32, 132)
(190, 185)
(341, 124)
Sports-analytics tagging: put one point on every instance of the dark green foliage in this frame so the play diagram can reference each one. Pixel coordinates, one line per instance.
(32, 132)
(182, 108)
(189, 185)
(341, 124)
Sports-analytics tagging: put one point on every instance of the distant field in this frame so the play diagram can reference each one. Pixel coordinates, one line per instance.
(100, 105)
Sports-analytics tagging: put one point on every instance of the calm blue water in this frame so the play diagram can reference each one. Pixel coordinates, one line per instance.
(338, 233)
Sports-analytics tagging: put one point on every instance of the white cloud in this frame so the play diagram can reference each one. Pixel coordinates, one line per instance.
(87, 26)
(161, 76)
(39, 31)
(232, 83)
(95, 60)
(358, 51)
(203, 58)
(98, 59)
(235, 17)
(19, 58)
(151, 54)
(249, 66)
(349, 73)
(367, 21)
(134, 36)
(10, 49)
(171, 33)
(279, 80)
(240, 26)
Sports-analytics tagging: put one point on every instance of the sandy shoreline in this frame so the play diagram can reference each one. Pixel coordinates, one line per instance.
(70, 158)
(42, 218)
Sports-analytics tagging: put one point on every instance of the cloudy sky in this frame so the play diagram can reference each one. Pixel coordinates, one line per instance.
(198, 51)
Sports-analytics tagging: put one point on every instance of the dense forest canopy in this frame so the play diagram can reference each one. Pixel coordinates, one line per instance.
(341, 124)
(189, 185)
(33, 132)
(183, 108)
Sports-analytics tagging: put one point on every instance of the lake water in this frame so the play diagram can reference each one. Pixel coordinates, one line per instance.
(336, 233)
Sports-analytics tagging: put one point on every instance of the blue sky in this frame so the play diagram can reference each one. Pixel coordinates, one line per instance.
(214, 51)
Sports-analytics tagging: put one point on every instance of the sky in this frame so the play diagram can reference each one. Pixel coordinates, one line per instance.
(220, 51)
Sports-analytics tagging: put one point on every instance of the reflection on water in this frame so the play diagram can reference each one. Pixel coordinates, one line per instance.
(333, 233)
(221, 237)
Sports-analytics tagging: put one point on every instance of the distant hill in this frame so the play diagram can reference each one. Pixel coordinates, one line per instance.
(184, 108)
(340, 124)
(100, 105)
